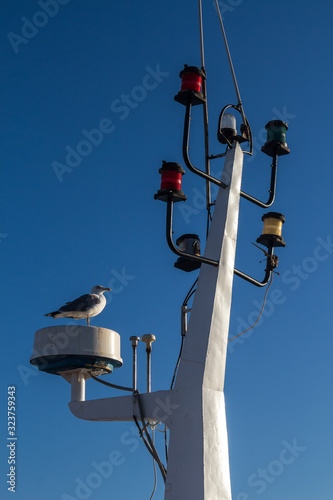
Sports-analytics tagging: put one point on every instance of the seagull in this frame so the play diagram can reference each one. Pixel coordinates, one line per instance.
(86, 306)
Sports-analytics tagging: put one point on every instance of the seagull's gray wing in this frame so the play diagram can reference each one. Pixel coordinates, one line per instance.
(83, 303)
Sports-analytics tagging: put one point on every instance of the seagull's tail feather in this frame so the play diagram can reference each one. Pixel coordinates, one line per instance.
(54, 314)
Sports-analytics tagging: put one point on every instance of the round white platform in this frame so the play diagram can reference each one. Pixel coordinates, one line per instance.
(69, 347)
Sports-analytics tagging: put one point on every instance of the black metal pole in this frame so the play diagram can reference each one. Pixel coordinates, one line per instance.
(272, 188)
(268, 272)
(186, 147)
(207, 162)
(173, 247)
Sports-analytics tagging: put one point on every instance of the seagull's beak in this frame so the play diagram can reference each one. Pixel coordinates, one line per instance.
(107, 289)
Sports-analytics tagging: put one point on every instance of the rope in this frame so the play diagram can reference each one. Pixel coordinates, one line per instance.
(232, 338)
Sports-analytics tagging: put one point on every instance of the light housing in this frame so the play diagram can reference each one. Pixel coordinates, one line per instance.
(227, 128)
(272, 231)
(171, 182)
(191, 87)
(276, 139)
(189, 243)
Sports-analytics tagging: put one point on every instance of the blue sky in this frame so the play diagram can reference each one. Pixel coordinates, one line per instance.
(96, 222)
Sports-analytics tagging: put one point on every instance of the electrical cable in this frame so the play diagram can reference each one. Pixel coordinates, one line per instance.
(209, 218)
(189, 294)
(151, 448)
(155, 427)
(192, 293)
(141, 434)
(178, 361)
(162, 468)
(187, 298)
(265, 297)
(143, 437)
(166, 444)
(163, 431)
(148, 442)
(154, 465)
(114, 386)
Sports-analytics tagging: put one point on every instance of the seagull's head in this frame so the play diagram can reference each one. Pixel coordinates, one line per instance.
(98, 289)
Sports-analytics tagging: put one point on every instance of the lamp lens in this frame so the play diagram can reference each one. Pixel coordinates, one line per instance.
(181, 245)
(228, 125)
(272, 226)
(191, 81)
(276, 131)
(189, 243)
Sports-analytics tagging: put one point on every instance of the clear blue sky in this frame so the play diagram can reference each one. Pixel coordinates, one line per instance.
(58, 239)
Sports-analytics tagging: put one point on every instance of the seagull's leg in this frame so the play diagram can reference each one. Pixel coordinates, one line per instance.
(88, 321)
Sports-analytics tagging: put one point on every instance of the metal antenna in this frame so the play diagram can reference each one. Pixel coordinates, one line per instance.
(148, 339)
(135, 341)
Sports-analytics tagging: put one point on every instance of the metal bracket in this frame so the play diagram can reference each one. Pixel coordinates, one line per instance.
(186, 138)
(173, 247)
(272, 261)
(271, 189)
(245, 129)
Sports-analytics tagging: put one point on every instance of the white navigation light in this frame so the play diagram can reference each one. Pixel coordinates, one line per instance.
(227, 128)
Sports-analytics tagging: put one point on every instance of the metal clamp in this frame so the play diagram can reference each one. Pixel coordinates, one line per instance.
(272, 262)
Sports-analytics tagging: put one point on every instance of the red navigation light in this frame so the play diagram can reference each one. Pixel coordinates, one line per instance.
(171, 182)
(191, 88)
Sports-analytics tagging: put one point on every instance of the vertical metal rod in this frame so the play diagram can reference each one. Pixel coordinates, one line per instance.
(135, 376)
(230, 63)
(207, 162)
(201, 36)
(148, 369)
(185, 148)
(205, 118)
(148, 338)
(134, 341)
(78, 386)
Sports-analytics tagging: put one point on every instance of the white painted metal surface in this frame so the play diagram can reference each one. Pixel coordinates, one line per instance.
(77, 379)
(194, 411)
(157, 406)
(198, 455)
(76, 340)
